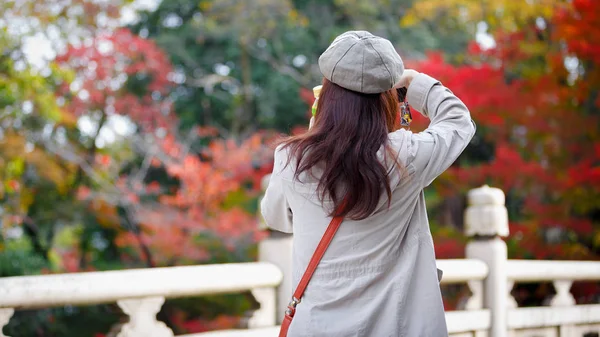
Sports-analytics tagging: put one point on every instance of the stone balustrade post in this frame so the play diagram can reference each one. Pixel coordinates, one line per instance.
(142, 318)
(266, 315)
(486, 221)
(5, 315)
(277, 249)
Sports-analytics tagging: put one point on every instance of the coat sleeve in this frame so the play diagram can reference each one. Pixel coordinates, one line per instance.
(449, 132)
(274, 206)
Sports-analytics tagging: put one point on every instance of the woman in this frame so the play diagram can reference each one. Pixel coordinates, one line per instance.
(378, 276)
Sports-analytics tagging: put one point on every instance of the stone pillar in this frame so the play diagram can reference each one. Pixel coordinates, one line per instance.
(5, 315)
(486, 221)
(265, 316)
(277, 249)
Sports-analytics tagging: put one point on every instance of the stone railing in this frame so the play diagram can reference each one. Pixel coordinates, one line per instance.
(140, 293)
(561, 316)
(472, 317)
(489, 311)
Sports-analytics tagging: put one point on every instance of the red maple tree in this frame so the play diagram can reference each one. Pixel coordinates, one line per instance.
(211, 203)
(119, 73)
(541, 120)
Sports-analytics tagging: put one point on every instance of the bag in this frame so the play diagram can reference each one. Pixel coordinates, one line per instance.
(308, 273)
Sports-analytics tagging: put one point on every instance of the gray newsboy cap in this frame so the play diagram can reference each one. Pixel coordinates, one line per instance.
(360, 61)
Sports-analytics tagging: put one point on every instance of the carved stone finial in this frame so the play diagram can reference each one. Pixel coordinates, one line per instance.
(486, 214)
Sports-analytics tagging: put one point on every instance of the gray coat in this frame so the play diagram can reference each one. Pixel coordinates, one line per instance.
(378, 278)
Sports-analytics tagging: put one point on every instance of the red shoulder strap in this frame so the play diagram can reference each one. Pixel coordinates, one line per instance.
(310, 269)
(317, 256)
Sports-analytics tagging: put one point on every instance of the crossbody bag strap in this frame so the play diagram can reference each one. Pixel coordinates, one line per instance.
(308, 273)
(313, 263)
(317, 256)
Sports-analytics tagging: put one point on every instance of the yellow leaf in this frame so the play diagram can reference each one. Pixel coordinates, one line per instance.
(409, 20)
(54, 259)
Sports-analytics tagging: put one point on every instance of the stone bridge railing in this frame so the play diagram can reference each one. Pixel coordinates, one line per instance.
(489, 311)
(140, 293)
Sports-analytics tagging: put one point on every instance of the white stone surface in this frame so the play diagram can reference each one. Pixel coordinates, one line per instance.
(142, 318)
(111, 286)
(265, 315)
(468, 321)
(510, 300)
(462, 270)
(469, 334)
(537, 271)
(580, 330)
(563, 297)
(538, 332)
(536, 317)
(486, 214)
(486, 195)
(494, 253)
(486, 220)
(277, 249)
(5, 315)
(475, 301)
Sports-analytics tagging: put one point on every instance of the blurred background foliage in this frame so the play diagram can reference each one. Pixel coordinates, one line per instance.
(135, 133)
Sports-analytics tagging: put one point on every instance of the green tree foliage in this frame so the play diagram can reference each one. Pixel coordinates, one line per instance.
(241, 65)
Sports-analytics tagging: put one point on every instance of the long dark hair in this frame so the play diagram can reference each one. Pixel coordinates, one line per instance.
(349, 129)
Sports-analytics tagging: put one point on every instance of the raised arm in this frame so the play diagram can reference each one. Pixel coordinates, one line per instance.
(450, 131)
